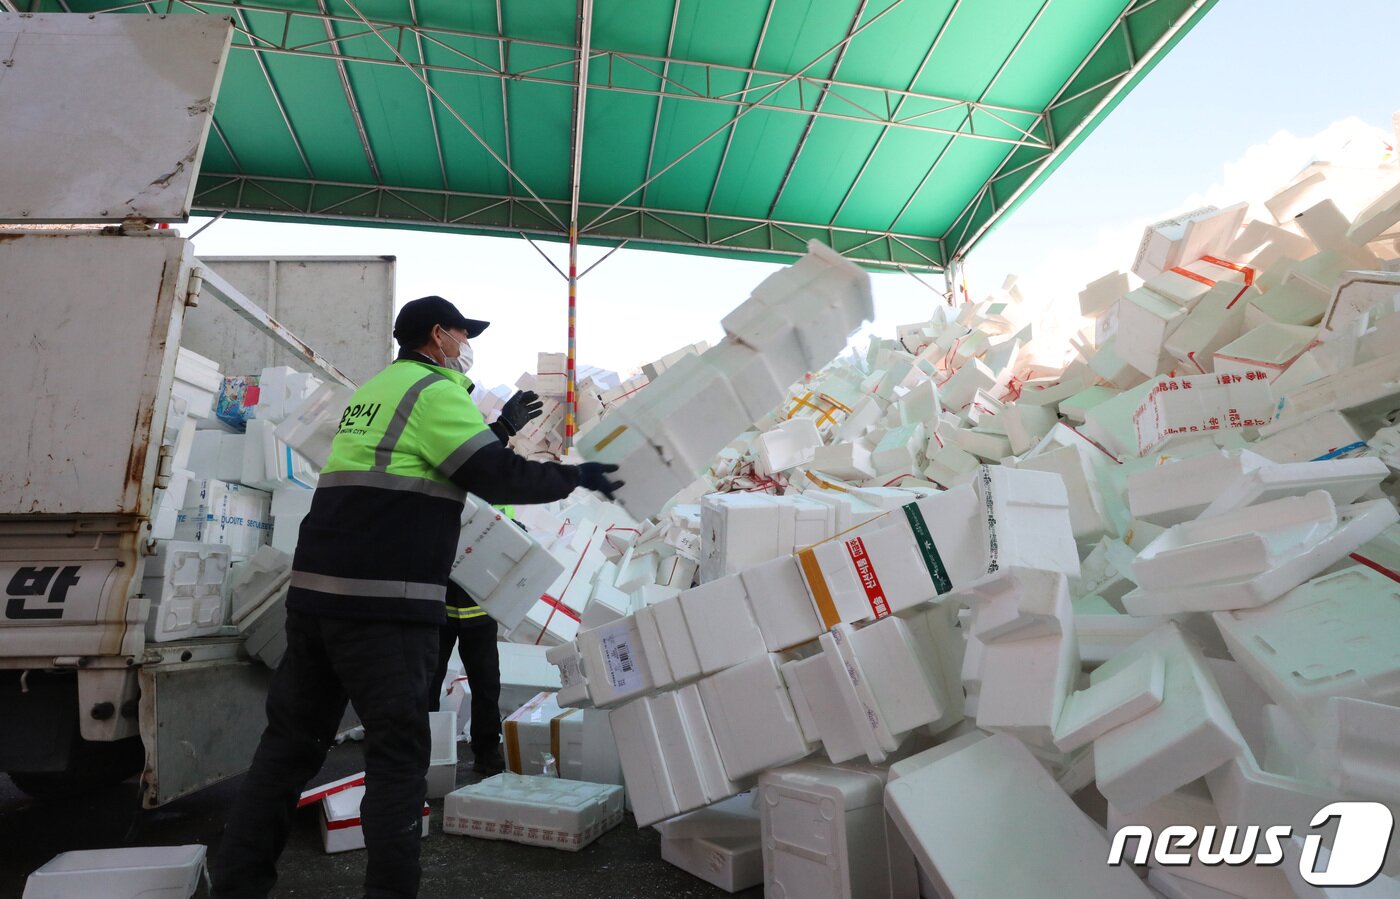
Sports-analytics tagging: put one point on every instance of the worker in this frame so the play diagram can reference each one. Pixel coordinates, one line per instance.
(367, 599)
(473, 632)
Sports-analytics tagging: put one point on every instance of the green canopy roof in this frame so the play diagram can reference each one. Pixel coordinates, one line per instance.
(896, 131)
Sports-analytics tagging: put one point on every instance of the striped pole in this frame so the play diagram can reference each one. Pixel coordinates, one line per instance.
(569, 398)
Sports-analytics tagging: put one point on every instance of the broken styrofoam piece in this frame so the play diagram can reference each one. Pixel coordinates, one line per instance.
(534, 810)
(1334, 636)
(824, 833)
(1345, 480)
(958, 811)
(138, 872)
(1356, 524)
(1190, 734)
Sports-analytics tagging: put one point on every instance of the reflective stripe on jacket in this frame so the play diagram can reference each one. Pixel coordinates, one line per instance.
(382, 529)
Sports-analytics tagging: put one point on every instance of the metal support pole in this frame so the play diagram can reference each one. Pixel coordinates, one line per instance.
(585, 38)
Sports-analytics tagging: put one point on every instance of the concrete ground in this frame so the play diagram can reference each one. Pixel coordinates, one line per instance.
(624, 863)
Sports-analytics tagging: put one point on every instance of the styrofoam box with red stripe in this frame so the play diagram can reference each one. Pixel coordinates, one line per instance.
(341, 828)
(533, 809)
(1203, 404)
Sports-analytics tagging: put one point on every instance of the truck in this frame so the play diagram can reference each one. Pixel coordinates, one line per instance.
(88, 359)
(98, 299)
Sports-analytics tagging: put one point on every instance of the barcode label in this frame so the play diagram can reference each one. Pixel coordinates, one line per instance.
(620, 659)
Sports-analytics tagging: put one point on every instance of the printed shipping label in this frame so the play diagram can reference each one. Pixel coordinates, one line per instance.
(869, 580)
(620, 659)
(937, 572)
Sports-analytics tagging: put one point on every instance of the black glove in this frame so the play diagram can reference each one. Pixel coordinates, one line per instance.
(593, 476)
(520, 409)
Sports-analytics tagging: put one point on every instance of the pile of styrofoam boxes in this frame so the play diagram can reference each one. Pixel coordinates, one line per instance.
(237, 469)
(796, 321)
(533, 809)
(958, 600)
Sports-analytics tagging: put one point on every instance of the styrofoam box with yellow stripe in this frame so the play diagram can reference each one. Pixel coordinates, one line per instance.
(529, 734)
(896, 561)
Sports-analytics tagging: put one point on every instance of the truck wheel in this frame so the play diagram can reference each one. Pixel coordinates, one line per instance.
(91, 767)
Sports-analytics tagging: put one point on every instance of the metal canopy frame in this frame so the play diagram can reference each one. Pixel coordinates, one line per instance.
(815, 97)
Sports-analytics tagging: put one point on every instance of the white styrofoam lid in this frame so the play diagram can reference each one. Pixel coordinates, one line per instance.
(97, 860)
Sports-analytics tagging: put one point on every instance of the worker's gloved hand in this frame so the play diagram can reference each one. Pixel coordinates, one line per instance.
(594, 476)
(520, 409)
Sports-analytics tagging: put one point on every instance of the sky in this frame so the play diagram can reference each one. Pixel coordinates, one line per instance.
(1255, 92)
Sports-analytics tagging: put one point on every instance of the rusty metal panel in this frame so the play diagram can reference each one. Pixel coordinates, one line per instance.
(89, 329)
(105, 117)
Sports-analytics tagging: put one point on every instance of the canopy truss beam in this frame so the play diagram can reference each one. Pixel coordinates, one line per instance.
(294, 198)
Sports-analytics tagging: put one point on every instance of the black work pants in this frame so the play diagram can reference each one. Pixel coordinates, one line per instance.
(481, 660)
(383, 667)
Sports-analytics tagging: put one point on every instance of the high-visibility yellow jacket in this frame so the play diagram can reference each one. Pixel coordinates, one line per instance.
(379, 539)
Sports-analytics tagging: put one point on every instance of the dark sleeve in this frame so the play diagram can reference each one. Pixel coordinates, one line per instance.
(501, 430)
(499, 475)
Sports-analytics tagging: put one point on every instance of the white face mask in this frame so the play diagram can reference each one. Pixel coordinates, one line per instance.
(462, 362)
(464, 359)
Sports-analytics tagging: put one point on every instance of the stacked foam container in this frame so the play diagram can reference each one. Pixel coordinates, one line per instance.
(951, 619)
(234, 476)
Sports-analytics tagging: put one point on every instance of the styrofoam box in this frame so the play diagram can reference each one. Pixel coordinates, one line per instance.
(1334, 636)
(442, 764)
(341, 829)
(185, 585)
(669, 757)
(888, 681)
(534, 810)
(524, 672)
(264, 629)
(1345, 480)
(231, 514)
(730, 863)
(583, 745)
(778, 599)
(752, 717)
(1181, 489)
(961, 811)
(824, 832)
(1190, 734)
(1025, 522)
(736, 816)
(612, 665)
(147, 872)
(197, 381)
(1202, 404)
(528, 733)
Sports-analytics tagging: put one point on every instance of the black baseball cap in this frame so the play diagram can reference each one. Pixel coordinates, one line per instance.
(417, 317)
